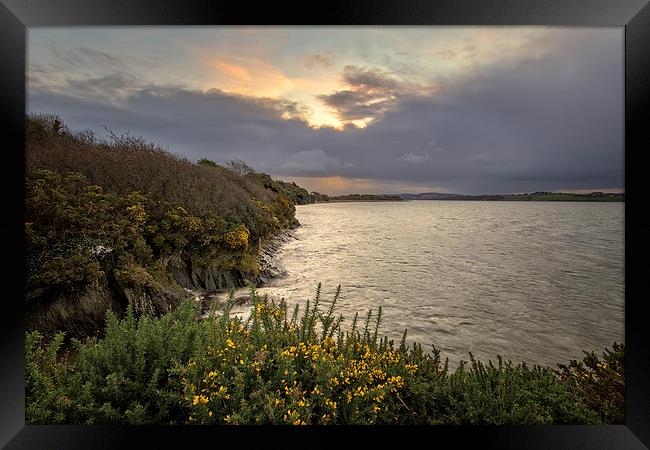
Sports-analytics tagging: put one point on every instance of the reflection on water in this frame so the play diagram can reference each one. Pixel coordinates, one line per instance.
(532, 281)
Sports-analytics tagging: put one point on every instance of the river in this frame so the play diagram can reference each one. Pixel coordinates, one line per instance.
(530, 281)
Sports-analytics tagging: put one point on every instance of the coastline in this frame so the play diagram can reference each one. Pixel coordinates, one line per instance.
(269, 269)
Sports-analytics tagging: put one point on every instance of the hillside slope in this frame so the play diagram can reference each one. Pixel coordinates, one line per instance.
(115, 222)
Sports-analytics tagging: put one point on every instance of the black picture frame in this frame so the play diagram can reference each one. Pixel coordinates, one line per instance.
(17, 15)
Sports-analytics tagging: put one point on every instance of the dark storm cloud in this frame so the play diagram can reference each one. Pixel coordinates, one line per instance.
(357, 105)
(369, 80)
(371, 93)
(537, 124)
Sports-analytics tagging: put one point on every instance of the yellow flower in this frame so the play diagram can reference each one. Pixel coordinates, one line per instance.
(200, 399)
(227, 419)
(411, 368)
(230, 343)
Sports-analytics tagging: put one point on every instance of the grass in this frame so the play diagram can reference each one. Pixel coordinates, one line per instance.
(297, 367)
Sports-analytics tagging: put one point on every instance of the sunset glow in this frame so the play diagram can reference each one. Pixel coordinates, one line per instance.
(468, 109)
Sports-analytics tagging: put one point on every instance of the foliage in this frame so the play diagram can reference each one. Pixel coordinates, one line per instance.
(239, 167)
(281, 367)
(366, 198)
(110, 211)
(601, 383)
(291, 191)
(319, 198)
(122, 378)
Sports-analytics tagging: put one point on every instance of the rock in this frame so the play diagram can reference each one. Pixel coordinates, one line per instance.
(242, 300)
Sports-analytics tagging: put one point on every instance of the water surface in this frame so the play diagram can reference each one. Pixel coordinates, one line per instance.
(531, 281)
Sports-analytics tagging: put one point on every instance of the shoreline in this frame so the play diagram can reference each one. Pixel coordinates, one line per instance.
(270, 269)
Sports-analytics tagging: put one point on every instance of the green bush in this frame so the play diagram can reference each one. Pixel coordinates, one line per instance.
(112, 212)
(281, 367)
(600, 383)
(122, 378)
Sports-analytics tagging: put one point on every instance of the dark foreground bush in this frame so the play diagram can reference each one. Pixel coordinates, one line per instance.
(600, 383)
(282, 367)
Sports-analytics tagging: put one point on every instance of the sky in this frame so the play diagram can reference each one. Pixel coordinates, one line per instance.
(473, 110)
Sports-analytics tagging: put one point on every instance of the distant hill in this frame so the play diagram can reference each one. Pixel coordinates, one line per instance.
(534, 196)
(366, 198)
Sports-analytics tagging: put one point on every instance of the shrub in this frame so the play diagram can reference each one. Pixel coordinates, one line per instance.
(122, 378)
(279, 367)
(141, 206)
(600, 383)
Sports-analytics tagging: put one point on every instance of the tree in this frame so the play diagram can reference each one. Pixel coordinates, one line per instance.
(206, 162)
(239, 167)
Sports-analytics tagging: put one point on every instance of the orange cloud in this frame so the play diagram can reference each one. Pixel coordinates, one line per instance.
(249, 77)
(233, 70)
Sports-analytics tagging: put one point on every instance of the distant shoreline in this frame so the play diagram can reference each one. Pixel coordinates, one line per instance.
(535, 197)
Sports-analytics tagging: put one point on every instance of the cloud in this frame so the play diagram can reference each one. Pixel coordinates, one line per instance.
(106, 85)
(371, 93)
(414, 159)
(553, 120)
(320, 59)
(447, 54)
(249, 76)
(81, 57)
(310, 162)
(234, 70)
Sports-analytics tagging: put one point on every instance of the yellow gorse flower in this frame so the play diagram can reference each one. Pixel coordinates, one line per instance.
(200, 399)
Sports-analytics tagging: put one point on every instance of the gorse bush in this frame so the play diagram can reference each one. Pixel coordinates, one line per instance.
(108, 215)
(600, 383)
(282, 366)
(121, 378)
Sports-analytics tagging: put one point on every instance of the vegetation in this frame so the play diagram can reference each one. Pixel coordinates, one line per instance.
(366, 198)
(115, 228)
(567, 197)
(600, 383)
(293, 192)
(534, 196)
(292, 367)
(120, 221)
(319, 198)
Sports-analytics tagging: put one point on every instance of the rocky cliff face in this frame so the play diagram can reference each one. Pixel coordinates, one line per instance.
(83, 312)
(210, 278)
(214, 278)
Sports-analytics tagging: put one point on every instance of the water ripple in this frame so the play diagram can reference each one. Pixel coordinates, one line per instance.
(532, 281)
